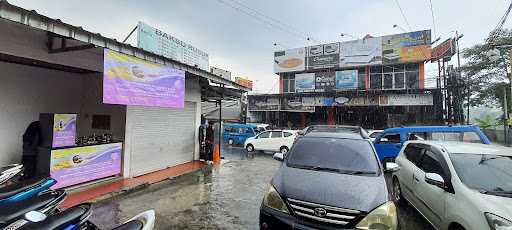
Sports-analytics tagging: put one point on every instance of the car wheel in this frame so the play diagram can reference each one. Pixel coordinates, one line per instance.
(230, 141)
(283, 150)
(249, 148)
(397, 192)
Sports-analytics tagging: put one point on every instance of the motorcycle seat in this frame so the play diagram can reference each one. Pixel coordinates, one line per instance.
(12, 212)
(61, 220)
(130, 225)
(11, 190)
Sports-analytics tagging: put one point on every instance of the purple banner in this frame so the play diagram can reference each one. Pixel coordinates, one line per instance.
(128, 80)
(64, 130)
(83, 164)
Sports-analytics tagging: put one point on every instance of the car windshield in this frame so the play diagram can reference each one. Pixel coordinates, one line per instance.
(334, 154)
(484, 172)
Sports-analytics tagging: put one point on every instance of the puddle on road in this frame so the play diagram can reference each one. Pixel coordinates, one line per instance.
(227, 197)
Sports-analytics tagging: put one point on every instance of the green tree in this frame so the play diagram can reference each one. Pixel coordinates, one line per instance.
(486, 121)
(486, 76)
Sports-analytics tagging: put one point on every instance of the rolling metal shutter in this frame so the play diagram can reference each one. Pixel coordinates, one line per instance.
(161, 137)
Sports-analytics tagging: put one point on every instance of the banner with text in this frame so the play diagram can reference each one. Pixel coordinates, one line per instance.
(323, 56)
(290, 60)
(64, 130)
(128, 80)
(305, 82)
(346, 79)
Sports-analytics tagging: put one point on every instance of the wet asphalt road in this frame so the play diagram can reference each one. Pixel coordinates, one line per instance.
(224, 197)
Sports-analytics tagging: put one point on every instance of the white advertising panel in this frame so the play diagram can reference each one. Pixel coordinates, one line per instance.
(305, 82)
(161, 43)
(360, 52)
(290, 60)
(406, 99)
(220, 72)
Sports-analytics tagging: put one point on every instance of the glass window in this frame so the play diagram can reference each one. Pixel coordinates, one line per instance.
(292, 85)
(388, 69)
(485, 172)
(390, 138)
(417, 136)
(287, 134)
(376, 69)
(361, 77)
(413, 153)
(430, 163)
(471, 137)
(388, 81)
(412, 67)
(376, 81)
(399, 80)
(333, 154)
(375, 134)
(249, 130)
(412, 80)
(264, 135)
(277, 134)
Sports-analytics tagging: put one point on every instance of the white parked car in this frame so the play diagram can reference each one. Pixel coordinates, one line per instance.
(273, 140)
(456, 185)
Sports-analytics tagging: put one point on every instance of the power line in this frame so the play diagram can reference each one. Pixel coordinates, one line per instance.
(403, 15)
(500, 24)
(269, 21)
(433, 18)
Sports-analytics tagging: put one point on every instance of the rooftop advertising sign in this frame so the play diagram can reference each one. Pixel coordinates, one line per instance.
(323, 56)
(161, 43)
(406, 47)
(128, 80)
(290, 60)
(361, 52)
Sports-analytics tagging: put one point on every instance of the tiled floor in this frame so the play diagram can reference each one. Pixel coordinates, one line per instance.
(125, 184)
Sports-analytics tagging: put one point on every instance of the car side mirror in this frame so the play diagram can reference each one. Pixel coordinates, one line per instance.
(35, 216)
(278, 156)
(435, 179)
(391, 167)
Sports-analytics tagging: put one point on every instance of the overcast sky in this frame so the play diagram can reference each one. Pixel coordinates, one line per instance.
(244, 45)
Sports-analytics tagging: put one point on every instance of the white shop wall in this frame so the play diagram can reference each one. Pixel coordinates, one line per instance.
(157, 138)
(25, 92)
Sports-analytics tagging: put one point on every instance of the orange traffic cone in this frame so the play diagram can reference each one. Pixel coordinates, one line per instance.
(216, 154)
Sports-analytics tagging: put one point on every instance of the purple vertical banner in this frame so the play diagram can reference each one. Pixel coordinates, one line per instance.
(64, 130)
(128, 80)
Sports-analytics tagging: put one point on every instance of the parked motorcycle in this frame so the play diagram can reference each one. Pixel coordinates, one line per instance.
(12, 215)
(76, 218)
(22, 190)
(10, 171)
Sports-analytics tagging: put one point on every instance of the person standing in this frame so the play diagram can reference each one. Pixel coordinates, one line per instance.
(210, 141)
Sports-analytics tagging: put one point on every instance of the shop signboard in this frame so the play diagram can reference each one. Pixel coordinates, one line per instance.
(406, 99)
(73, 166)
(323, 56)
(363, 101)
(64, 130)
(128, 80)
(324, 81)
(305, 82)
(291, 60)
(295, 104)
(444, 50)
(367, 51)
(264, 103)
(161, 43)
(244, 82)
(406, 47)
(346, 79)
(220, 72)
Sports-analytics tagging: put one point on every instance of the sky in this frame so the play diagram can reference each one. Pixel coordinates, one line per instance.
(244, 44)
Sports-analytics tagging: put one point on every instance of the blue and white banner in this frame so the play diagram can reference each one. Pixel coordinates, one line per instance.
(346, 79)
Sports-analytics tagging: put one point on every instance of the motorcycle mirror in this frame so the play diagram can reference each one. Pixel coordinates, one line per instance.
(35, 216)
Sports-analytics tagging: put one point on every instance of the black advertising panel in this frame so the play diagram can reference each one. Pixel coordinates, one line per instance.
(325, 81)
(323, 56)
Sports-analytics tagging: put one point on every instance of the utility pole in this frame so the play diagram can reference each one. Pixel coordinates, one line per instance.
(505, 116)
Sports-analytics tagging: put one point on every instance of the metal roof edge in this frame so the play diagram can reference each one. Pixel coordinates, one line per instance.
(33, 19)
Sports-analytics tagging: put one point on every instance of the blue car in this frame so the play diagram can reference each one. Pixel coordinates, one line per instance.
(238, 133)
(389, 142)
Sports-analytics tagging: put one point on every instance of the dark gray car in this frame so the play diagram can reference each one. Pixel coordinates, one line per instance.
(329, 181)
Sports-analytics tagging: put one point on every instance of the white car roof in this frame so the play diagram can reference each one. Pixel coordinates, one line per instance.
(470, 148)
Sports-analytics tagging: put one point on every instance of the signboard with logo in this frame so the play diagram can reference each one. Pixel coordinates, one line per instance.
(367, 51)
(64, 130)
(244, 82)
(263, 103)
(295, 104)
(346, 79)
(406, 99)
(73, 166)
(323, 56)
(290, 60)
(444, 50)
(305, 82)
(220, 72)
(324, 81)
(128, 80)
(406, 47)
(161, 43)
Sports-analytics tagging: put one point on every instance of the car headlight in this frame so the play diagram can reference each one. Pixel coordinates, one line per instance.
(273, 200)
(382, 218)
(497, 222)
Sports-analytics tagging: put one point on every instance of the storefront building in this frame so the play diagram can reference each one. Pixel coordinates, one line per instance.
(375, 82)
(105, 108)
